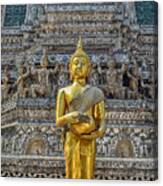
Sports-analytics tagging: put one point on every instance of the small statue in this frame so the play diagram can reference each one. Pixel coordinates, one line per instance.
(134, 82)
(94, 77)
(6, 86)
(54, 75)
(101, 73)
(22, 90)
(80, 110)
(112, 77)
(149, 87)
(42, 88)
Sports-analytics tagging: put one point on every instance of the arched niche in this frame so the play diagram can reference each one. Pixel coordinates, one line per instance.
(124, 149)
(35, 146)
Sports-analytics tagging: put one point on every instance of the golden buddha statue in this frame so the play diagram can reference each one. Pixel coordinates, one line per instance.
(80, 110)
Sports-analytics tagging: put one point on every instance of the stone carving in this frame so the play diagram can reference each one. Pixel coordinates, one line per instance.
(22, 89)
(114, 87)
(124, 82)
(42, 87)
(134, 82)
(6, 84)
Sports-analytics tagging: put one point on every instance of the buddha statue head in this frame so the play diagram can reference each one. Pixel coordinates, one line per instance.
(79, 64)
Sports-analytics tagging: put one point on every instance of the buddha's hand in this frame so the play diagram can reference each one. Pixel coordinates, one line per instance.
(73, 117)
(93, 135)
(85, 118)
(79, 117)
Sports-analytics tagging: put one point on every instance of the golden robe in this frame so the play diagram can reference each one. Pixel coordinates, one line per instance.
(80, 153)
(79, 157)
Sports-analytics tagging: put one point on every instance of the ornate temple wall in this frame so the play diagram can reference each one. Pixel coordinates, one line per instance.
(121, 41)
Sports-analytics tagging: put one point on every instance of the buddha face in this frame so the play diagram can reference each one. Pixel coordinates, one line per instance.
(79, 68)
